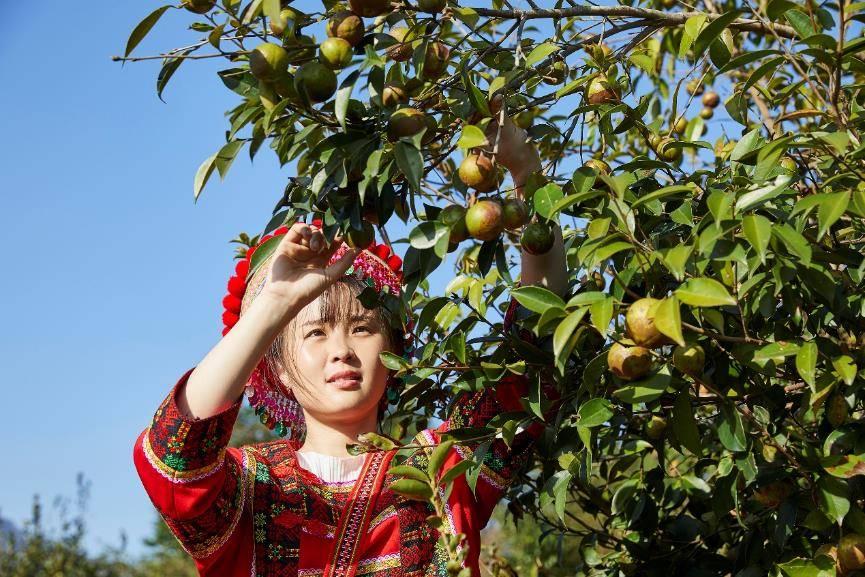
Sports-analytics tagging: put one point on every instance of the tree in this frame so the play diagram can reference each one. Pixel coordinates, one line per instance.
(709, 355)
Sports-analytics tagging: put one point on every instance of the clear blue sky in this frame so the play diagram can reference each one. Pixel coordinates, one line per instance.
(114, 278)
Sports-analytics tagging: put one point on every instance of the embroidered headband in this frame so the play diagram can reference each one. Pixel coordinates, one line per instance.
(274, 402)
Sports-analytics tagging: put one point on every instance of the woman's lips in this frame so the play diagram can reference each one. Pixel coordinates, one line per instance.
(346, 383)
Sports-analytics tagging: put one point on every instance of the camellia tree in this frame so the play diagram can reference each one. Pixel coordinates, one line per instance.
(705, 162)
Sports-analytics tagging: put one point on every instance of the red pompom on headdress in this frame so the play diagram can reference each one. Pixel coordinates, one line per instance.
(274, 403)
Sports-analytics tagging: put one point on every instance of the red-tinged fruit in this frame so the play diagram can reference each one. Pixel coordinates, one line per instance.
(199, 6)
(369, 8)
(602, 91)
(268, 61)
(629, 363)
(479, 172)
(640, 323)
(484, 220)
(335, 53)
(347, 25)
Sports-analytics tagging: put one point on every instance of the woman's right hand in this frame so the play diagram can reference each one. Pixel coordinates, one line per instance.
(298, 270)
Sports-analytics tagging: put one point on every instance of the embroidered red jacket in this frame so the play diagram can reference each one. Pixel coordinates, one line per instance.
(252, 511)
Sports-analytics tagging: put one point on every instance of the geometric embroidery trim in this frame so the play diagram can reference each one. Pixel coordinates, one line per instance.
(173, 474)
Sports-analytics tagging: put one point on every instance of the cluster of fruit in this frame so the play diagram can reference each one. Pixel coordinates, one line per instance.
(633, 360)
(710, 99)
(486, 219)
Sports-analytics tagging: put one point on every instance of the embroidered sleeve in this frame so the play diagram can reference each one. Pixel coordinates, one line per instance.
(501, 462)
(197, 484)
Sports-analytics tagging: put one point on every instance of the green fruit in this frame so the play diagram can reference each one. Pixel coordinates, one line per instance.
(711, 99)
(402, 50)
(707, 113)
(335, 53)
(347, 25)
(268, 61)
(431, 6)
(679, 125)
(640, 324)
(537, 238)
(406, 122)
(654, 140)
(515, 213)
(356, 111)
(484, 220)
(789, 165)
(524, 119)
(479, 172)
(837, 410)
(694, 86)
(556, 73)
(435, 60)
(851, 552)
(287, 16)
(602, 91)
(655, 427)
(315, 80)
(598, 166)
(454, 216)
(628, 363)
(199, 6)
(369, 8)
(667, 152)
(360, 238)
(393, 95)
(690, 359)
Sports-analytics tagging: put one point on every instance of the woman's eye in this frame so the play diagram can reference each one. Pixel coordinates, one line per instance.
(363, 328)
(314, 332)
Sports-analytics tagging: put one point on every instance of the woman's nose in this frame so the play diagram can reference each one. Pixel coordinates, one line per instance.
(341, 346)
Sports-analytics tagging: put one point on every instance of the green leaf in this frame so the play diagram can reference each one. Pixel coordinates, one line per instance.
(800, 22)
(271, 9)
(546, 198)
(831, 208)
(713, 30)
(704, 292)
(690, 31)
(683, 423)
(455, 471)
(261, 254)
(806, 363)
(563, 342)
(777, 350)
(731, 430)
(412, 489)
(410, 472)
(595, 412)
(540, 52)
(846, 368)
(410, 162)
(602, 314)
(343, 95)
(471, 137)
(226, 155)
(476, 97)
(388, 359)
(747, 144)
(668, 319)
(822, 566)
(662, 193)
(646, 390)
(677, 258)
(537, 299)
(437, 457)
(202, 175)
(143, 28)
(426, 234)
(167, 71)
(758, 231)
(795, 242)
(834, 497)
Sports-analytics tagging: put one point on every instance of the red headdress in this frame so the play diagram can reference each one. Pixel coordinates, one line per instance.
(273, 401)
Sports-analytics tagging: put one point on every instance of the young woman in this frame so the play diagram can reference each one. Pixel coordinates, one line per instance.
(307, 353)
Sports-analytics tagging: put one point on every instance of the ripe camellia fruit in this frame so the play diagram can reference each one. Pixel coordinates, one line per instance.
(602, 91)
(268, 61)
(199, 6)
(347, 25)
(435, 60)
(454, 216)
(640, 323)
(315, 80)
(851, 552)
(407, 122)
(393, 95)
(629, 363)
(655, 427)
(360, 238)
(537, 238)
(484, 220)
(478, 171)
(335, 53)
(515, 213)
(369, 8)
(711, 99)
(690, 359)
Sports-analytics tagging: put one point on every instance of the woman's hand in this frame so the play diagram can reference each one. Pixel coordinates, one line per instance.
(298, 271)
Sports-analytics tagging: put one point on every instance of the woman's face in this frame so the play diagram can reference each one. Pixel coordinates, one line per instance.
(337, 362)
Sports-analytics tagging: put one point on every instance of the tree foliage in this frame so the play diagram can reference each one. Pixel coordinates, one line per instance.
(707, 156)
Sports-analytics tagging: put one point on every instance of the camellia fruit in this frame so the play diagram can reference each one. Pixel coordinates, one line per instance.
(402, 50)
(598, 166)
(515, 213)
(711, 99)
(602, 91)
(667, 152)
(406, 122)
(479, 172)
(435, 60)
(431, 6)
(393, 95)
(279, 25)
(537, 238)
(199, 6)
(484, 220)
(640, 323)
(851, 552)
(655, 427)
(690, 359)
(454, 216)
(694, 87)
(369, 8)
(335, 53)
(706, 113)
(360, 238)
(679, 125)
(837, 410)
(629, 363)
(556, 73)
(315, 80)
(347, 25)
(268, 61)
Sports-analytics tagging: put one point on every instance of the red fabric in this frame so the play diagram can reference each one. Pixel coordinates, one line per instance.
(254, 511)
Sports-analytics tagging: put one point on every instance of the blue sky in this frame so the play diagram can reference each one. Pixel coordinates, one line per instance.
(115, 285)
